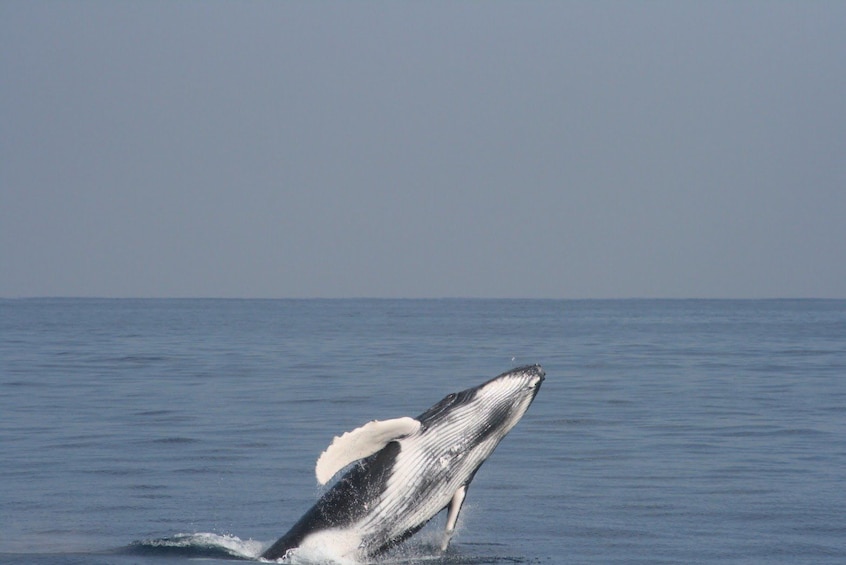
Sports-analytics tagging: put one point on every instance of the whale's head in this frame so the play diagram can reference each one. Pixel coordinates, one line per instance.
(487, 411)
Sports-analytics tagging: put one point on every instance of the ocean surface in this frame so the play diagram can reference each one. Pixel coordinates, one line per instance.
(170, 431)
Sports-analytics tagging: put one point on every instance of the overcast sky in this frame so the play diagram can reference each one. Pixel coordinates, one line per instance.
(423, 149)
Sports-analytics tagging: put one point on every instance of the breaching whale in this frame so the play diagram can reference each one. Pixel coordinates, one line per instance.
(407, 470)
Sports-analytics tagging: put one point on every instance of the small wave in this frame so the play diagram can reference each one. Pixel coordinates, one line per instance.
(175, 440)
(199, 545)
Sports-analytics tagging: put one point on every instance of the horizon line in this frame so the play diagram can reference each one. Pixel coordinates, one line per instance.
(386, 298)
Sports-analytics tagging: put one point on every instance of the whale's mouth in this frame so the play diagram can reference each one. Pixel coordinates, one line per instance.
(532, 371)
(526, 371)
(528, 377)
(540, 377)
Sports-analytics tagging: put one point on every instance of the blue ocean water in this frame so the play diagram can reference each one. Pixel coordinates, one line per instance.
(161, 431)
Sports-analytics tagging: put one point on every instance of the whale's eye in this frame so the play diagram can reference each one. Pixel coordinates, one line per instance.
(451, 397)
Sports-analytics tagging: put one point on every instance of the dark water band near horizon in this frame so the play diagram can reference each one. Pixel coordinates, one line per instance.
(667, 431)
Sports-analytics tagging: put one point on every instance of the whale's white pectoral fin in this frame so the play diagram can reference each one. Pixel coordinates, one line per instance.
(452, 515)
(361, 442)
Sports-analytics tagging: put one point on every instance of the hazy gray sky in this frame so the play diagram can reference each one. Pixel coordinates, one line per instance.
(425, 149)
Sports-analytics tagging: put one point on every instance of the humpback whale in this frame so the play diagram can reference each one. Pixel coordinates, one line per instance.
(407, 470)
